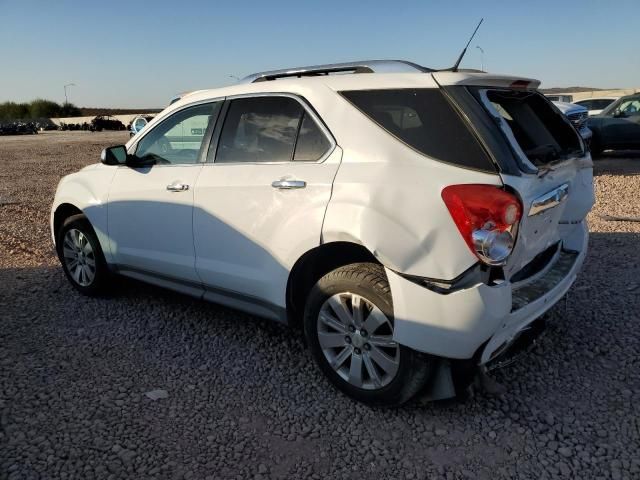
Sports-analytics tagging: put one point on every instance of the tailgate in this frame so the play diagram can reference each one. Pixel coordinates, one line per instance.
(554, 179)
(553, 204)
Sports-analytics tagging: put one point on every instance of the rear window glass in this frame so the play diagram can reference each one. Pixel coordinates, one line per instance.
(312, 144)
(600, 104)
(542, 133)
(424, 120)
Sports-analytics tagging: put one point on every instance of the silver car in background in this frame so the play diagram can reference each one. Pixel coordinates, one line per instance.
(577, 115)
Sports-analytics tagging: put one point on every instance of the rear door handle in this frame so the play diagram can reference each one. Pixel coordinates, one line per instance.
(288, 184)
(177, 187)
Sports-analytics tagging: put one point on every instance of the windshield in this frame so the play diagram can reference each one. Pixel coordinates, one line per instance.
(625, 104)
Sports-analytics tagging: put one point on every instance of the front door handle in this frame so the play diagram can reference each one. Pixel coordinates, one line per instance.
(177, 187)
(288, 184)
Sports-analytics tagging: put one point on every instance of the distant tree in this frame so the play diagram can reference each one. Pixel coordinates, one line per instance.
(14, 111)
(38, 108)
(41, 108)
(70, 110)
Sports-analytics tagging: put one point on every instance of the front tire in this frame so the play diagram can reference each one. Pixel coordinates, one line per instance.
(596, 147)
(81, 256)
(348, 324)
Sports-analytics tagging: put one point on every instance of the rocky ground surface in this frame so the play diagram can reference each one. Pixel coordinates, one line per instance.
(151, 384)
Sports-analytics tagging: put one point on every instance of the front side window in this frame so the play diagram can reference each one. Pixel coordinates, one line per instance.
(178, 139)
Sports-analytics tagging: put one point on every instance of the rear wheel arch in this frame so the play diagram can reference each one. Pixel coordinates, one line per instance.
(313, 265)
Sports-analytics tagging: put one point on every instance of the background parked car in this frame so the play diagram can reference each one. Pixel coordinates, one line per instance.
(303, 254)
(577, 115)
(139, 123)
(560, 98)
(106, 122)
(618, 126)
(596, 105)
(18, 128)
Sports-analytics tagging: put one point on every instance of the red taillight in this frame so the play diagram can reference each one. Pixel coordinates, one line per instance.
(487, 218)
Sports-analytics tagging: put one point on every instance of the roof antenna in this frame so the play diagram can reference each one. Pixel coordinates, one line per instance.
(457, 64)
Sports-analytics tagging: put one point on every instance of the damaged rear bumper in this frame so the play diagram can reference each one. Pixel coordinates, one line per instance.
(483, 321)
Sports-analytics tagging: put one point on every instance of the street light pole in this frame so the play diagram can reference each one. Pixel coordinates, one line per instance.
(66, 100)
(481, 57)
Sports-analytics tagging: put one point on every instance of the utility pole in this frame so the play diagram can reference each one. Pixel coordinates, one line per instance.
(66, 100)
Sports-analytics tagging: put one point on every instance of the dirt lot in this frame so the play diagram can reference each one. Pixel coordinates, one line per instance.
(244, 399)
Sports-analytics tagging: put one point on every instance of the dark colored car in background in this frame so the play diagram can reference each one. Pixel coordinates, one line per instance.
(617, 127)
(18, 128)
(106, 122)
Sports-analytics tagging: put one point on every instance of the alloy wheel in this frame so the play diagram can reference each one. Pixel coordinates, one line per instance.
(79, 257)
(356, 338)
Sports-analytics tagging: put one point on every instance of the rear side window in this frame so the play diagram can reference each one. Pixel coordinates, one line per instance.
(270, 129)
(426, 121)
(588, 104)
(600, 104)
(259, 129)
(312, 143)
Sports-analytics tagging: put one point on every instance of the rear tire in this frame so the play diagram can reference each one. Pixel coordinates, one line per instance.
(348, 324)
(81, 256)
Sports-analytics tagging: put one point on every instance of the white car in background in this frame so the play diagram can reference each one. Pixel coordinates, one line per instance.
(577, 115)
(596, 105)
(559, 98)
(138, 123)
(413, 223)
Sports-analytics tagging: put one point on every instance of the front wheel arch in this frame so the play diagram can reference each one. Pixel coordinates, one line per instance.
(100, 284)
(63, 211)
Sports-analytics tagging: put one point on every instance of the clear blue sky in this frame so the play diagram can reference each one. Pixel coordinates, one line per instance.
(140, 53)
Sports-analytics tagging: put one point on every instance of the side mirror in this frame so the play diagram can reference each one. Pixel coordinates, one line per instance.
(114, 155)
(620, 114)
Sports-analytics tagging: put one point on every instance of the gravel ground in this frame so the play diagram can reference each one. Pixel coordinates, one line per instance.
(237, 397)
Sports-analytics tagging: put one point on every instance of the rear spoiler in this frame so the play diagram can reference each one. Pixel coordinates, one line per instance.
(484, 80)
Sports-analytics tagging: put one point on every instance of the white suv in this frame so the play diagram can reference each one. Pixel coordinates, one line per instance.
(414, 223)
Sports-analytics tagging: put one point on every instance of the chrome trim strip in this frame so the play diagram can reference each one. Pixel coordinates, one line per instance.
(549, 200)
